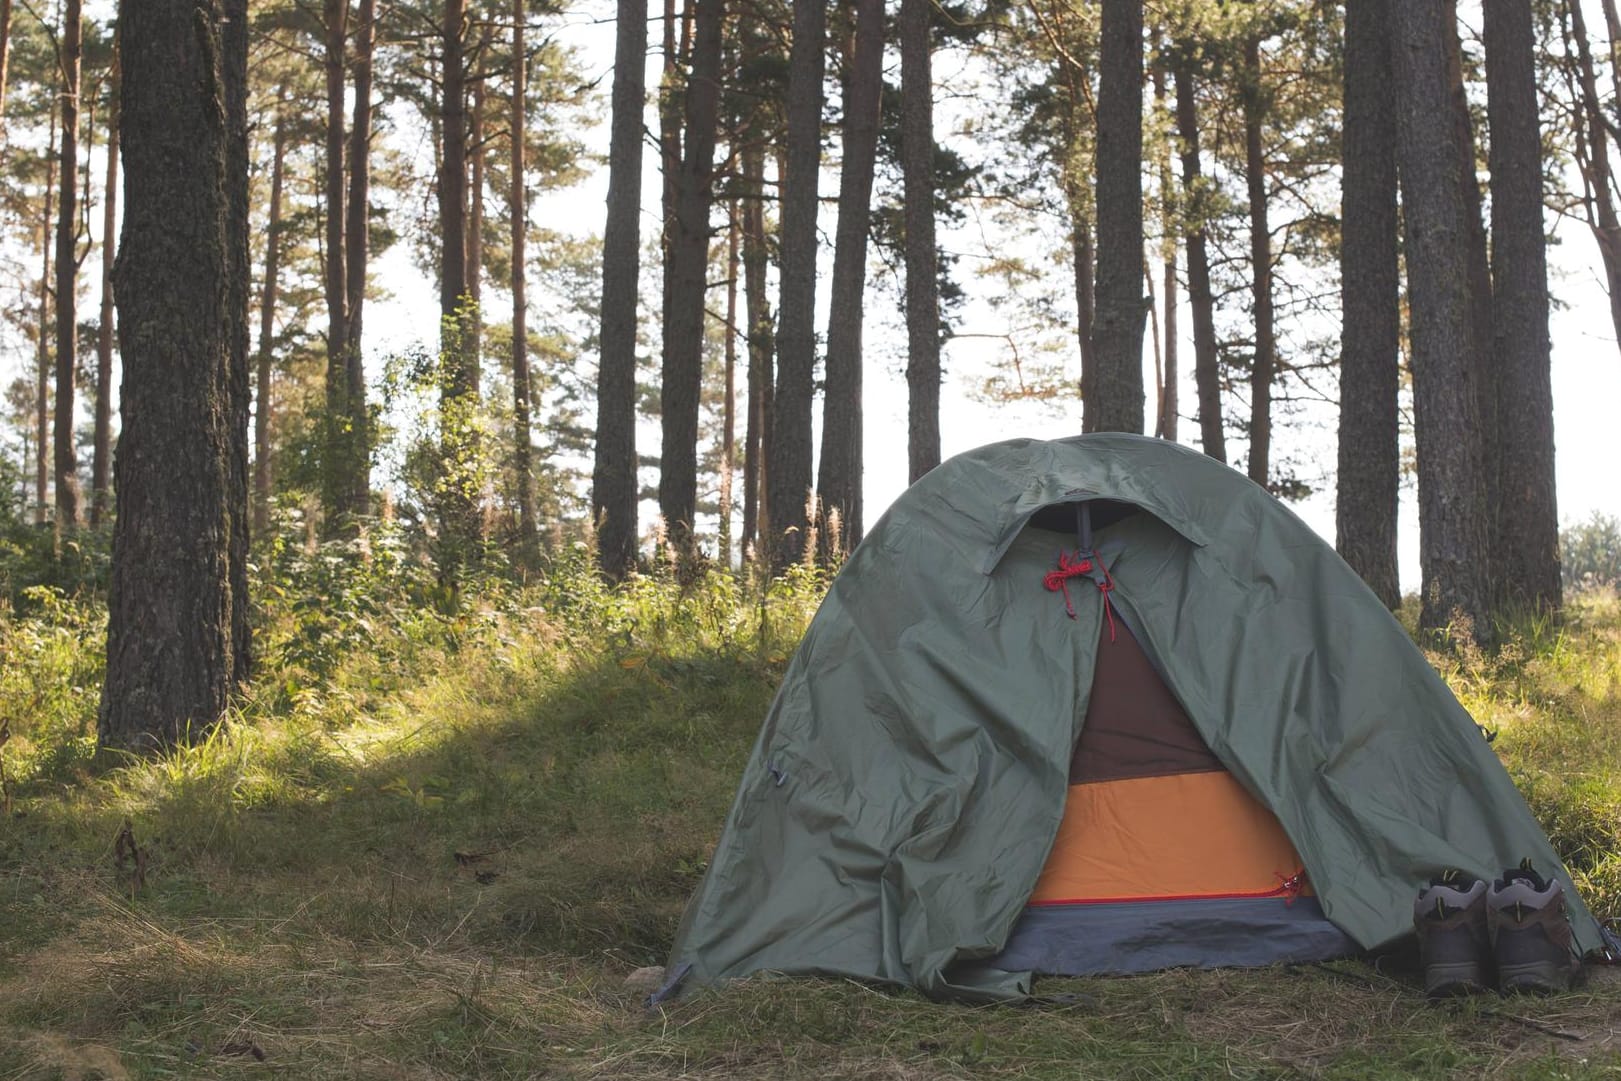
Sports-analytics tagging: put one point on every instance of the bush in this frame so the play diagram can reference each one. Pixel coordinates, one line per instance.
(1590, 553)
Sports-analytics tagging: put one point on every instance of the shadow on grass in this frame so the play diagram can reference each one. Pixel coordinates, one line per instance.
(573, 815)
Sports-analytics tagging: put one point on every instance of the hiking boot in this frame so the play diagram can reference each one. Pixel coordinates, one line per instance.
(1530, 933)
(1450, 917)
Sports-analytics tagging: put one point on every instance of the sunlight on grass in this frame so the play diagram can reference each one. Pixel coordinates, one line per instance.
(435, 847)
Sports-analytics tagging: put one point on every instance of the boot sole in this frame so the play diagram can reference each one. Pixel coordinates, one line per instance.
(1451, 980)
(1534, 978)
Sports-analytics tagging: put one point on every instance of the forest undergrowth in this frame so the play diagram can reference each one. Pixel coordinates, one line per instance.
(435, 837)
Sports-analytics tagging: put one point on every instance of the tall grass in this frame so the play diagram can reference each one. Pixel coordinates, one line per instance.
(433, 837)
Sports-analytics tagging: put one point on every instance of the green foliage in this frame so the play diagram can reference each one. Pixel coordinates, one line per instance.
(434, 839)
(1590, 553)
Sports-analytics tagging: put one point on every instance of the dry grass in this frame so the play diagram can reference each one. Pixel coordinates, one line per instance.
(450, 876)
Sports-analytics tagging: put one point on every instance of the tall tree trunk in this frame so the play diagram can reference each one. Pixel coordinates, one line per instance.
(356, 257)
(1370, 289)
(264, 475)
(238, 393)
(922, 256)
(1486, 445)
(688, 283)
(613, 480)
(1084, 252)
(1433, 166)
(728, 423)
(669, 101)
(338, 466)
(42, 387)
(5, 55)
(454, 290)
(841, 463)
(1600, 199)
(1612, 23)
(523, 468)
(1168, 404)
(1526, 536)
(1264, 362)
(1116, 404)
(475, 215)
(102, 456)
(171, 658)
(757, 440)
(1201, 299)
(788, 472)
(67, 273)
(1081, 156)
(461, 526)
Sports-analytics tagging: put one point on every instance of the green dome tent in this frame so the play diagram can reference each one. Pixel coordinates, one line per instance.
(1081, 706)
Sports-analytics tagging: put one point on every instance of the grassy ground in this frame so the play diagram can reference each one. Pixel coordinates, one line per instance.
(434, 846)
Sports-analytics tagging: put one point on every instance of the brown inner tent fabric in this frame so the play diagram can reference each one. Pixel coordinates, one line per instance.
(1152, 814)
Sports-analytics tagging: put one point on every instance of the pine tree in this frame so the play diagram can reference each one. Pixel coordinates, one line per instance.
(1434, 167)
(1369, 453)
(922, 255)
(1115, 391)
(613, 487)
(171, 657)
(839, 484)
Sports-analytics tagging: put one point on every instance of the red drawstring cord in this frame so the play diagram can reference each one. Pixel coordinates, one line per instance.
(1108, 609)
(1291, 886)
(1058, 581)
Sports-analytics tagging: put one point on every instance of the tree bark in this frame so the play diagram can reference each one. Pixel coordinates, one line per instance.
(357, 419)
(337, 468)
(1076, 178)
(688, 284)
(1524, 504)
(523, 468)
(841, 463)
(67, 273)
(613, 483)
(264, 470)
(1484, 352)
(757, 440)
(922, 256)
(1600, 200)
(42, 387)
(5, 52)
(1264, 362)
(475, 214)
(453, 285)
(1116, 403)
(1084, 253)
(102, 456)
(669, 100)
(1433, 167)
(1201, 299)
(1370, 289)
(460, 484)
(1169, 405)
(171, 658)
(788, 474)
(5, 55)
(238, 393)
(728, 423)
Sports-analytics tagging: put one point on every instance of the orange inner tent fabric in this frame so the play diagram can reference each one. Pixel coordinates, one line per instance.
(1159, 838)
(1151, 813)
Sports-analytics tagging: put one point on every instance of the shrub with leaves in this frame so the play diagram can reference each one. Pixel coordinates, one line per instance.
(1590, 553)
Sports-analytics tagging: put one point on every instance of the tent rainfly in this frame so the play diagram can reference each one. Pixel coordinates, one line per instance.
(1096, 705)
